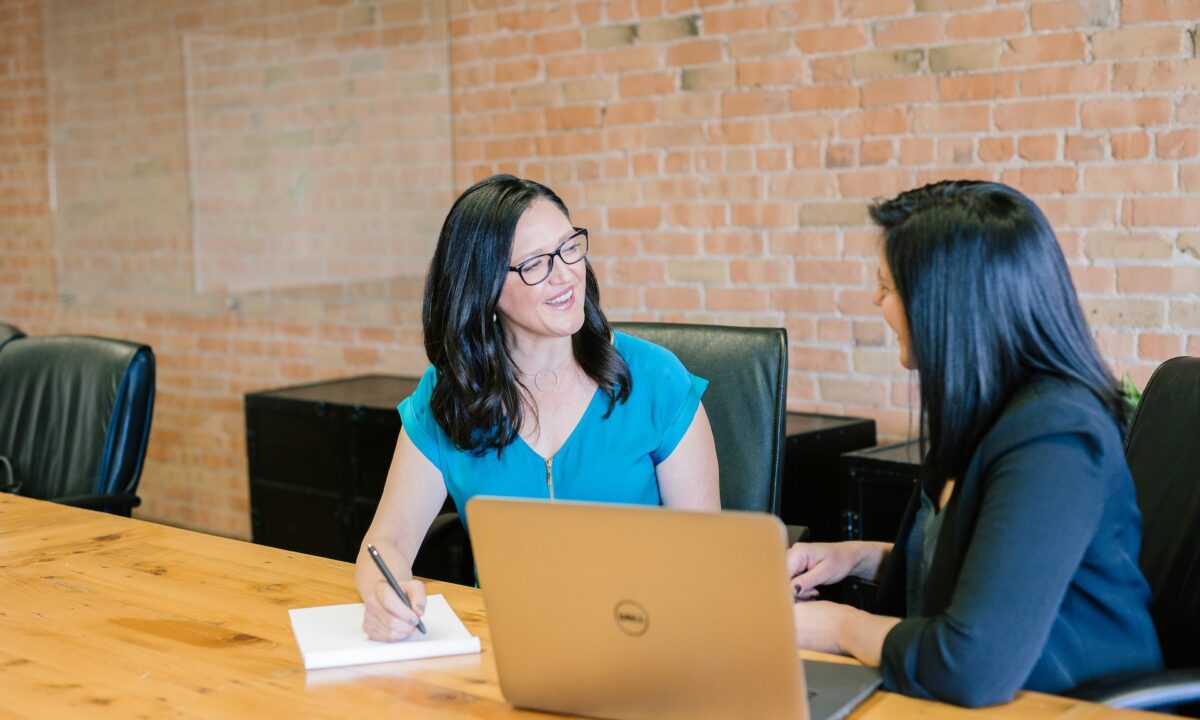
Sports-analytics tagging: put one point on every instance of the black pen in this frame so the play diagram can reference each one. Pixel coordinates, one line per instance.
(387, 574)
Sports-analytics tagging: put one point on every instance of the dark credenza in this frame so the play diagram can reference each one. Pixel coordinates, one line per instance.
(876, 486)
(319, 455)
(811, 494)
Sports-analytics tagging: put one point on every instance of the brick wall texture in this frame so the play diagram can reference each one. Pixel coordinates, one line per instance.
(722, 153)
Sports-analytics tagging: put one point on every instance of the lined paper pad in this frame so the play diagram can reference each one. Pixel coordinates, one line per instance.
(332, 636)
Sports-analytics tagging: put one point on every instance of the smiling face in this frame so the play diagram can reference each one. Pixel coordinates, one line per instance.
(888, 301)
(554, 307)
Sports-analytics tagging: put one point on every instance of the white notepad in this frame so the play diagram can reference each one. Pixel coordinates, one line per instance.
(332, 636)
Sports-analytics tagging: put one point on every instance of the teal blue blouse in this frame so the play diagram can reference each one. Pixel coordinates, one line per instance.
(604, 459)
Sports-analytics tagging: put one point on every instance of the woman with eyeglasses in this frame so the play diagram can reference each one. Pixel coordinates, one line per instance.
(529, 393)
(1016, 565)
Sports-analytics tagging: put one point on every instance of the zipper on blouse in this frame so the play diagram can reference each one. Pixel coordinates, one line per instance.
(550, 475)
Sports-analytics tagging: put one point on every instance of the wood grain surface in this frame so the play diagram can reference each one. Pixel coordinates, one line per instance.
(108, 617)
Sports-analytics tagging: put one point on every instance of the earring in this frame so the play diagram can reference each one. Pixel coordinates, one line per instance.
(493, 317)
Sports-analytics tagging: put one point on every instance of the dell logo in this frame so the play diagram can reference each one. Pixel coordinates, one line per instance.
(631, 618)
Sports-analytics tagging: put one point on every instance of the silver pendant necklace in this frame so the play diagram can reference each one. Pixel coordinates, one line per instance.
(546, 379)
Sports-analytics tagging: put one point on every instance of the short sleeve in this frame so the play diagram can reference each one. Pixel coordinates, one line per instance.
(681, 393)
(417, 419)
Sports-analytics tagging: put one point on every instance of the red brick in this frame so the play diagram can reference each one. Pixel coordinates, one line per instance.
(1156, 76)
(899, 91)
(1042, 180)
(760, 44)
(763, 214)
(1178, 144)
(915, 31)
(808, 299)
(1065, 80)
(995, 149)
(725, 22)
(952, 118)
(1181, 211)
(872, 8)
(832, 69)
(1159, 346)
(1159, 10)
(733, 242)
(672, 298)
(1125, 178)
(641, 218)
(1124, 113)
(641, 84)
(832, 39)
(1036, 114)
(781, 71)
(876, 152)
(735, 299)
(1041, 49)
(829, 272)
(802, 186)
(1038, 147)
(1137, 42)
(874, 183)
(885, 121)
(984, 86)
(823, 97)
(991, 23)
(818, 359)
(1059, 14)
(784, 13)
(1130, 145)
(753, 102)
(1084, 148)
(694, 52)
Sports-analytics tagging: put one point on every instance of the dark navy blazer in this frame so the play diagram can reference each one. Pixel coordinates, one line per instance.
(1035, 581)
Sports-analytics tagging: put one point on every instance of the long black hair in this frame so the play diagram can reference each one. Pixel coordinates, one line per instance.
(477, 399)
(989, 303)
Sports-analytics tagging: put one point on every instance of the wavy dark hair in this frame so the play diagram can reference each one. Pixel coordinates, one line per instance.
(989, 303)
(477, 399)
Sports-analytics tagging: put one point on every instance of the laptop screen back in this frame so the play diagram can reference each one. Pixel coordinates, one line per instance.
(633, 612)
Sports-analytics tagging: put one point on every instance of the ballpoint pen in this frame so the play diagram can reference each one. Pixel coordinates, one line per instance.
(387, 575)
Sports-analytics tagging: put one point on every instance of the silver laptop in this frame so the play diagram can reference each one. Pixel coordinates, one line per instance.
(627, 612)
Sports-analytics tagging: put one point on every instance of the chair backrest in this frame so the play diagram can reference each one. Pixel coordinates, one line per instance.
(1163, 451)
(746, 401)
(9, 332)
(75, 414)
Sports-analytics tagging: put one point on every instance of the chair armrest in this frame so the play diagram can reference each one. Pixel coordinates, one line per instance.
(100, 502)
(445, 552)
(443, 525)
(796, 533)
(1145, 692)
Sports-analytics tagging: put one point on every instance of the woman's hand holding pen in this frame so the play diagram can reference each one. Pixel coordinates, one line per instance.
(386, 617)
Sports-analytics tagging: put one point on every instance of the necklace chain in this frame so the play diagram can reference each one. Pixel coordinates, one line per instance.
(546, 379)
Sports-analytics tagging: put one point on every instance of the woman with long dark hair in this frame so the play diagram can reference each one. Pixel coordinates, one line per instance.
(529, 392)
(1016, 565)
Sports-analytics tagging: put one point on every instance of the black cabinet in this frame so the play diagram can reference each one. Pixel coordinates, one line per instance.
(319, 456)
(877, 484)
(810, 493)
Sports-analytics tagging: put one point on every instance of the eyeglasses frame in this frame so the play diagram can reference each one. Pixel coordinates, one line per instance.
(557, 253)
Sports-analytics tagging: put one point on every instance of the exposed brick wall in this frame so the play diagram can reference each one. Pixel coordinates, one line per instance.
(721, 153)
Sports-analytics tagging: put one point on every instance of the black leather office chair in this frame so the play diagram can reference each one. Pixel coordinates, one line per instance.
(746, 405)
(9, 332)
(74, 419)
(746, 401)
(1163, 450)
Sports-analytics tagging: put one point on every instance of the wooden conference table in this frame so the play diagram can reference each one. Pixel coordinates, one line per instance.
(103, 616)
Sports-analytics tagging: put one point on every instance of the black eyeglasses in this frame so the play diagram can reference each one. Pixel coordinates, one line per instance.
(537, 268)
